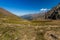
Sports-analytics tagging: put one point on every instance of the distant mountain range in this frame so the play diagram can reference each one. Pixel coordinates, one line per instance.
(36, 16)
(54, 13)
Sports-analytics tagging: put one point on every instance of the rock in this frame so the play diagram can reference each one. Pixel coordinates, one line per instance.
(52, 35)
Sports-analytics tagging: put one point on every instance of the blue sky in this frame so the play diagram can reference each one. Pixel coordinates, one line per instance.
(23, 7)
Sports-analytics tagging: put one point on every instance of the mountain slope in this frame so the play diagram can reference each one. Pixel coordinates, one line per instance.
(28, 17)
(54, 13)
(38, 16)
(7, 17)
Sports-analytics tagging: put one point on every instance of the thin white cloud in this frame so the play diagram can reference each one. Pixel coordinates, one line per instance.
(25, 12)
(44, 10)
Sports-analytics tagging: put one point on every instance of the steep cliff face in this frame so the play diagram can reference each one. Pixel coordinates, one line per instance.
(54, 13)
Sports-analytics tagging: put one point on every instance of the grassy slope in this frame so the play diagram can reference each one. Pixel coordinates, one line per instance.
(24, 32)
(46, 22)
(12, 19)
(12, 32)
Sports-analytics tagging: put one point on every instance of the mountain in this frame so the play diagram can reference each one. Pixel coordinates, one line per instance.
(8, 17)
(28, 17)
(37, 16)
(53, 14)
(13, 27)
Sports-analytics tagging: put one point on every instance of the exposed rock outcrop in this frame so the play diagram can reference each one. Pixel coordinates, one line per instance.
(54, 13)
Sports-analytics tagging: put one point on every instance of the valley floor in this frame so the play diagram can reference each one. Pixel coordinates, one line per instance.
(9, 31)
